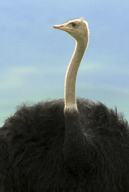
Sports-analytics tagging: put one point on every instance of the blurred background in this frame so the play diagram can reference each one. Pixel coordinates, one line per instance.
(34, 57)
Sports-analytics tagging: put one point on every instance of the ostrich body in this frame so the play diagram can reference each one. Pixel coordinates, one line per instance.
(70, 145)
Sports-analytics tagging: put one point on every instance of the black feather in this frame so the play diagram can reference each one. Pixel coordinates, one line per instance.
(42, 149)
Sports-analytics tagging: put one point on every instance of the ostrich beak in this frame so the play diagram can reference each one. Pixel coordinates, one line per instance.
(61, 27)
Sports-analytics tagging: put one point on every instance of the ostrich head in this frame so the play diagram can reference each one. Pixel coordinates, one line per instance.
(77, 28)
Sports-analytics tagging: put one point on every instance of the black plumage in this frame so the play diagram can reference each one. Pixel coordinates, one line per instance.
(42, 149)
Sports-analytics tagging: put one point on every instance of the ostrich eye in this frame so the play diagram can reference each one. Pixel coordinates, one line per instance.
(73, 24)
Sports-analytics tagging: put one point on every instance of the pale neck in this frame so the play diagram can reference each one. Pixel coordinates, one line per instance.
(71, 74)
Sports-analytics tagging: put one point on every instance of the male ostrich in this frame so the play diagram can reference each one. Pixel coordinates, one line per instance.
(65, 146)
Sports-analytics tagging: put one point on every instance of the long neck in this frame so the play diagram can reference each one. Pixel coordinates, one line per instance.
(71, 74)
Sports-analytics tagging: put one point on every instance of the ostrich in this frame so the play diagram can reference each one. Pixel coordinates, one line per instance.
(70, 145)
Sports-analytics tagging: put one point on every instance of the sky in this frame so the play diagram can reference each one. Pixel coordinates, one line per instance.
(34, 56)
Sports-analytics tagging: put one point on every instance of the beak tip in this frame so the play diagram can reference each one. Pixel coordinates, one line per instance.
(55, 27)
